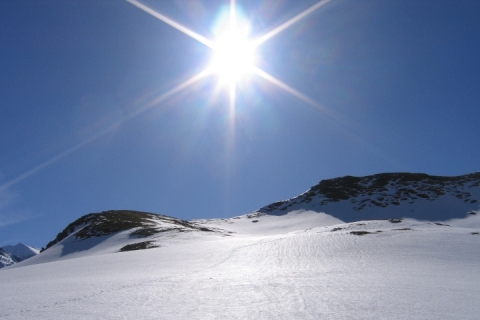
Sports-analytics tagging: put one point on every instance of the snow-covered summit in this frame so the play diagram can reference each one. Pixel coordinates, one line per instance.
(107, 223)
(21, 251)
(6, 259)
(13, 254)
(387, 195)
(116, 231)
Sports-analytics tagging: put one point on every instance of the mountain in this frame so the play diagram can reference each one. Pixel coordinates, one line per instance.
(387, 195)
(6, 259)
(387, 246)
(17, 253)
(21, 251)
(300, 265)
(115, 231)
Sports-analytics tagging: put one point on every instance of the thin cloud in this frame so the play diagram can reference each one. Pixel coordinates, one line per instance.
(8, 214)
(8, 219)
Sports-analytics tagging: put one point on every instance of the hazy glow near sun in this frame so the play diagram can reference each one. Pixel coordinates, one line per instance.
(233, 54)
(233, 57)
(233, 51)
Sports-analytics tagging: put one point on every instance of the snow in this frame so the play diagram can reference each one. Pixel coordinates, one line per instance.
(12, 254)
(419, 200)
(472, 221)
(268, 224)
(21, 251)
(302, 265)
(72, 248)
(5, 259)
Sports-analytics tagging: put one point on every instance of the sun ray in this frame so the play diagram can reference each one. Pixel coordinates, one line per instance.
(233, 97)
(233, 104)
(179, 88)
(173, 23)
(340, 120)
(104, 132)
(288, 23)
(290, 90)
(257, 42)
(231, 137)
(233, 13)
(45, 164)
(232, 85)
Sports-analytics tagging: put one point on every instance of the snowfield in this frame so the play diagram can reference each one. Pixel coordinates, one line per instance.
(302, 265)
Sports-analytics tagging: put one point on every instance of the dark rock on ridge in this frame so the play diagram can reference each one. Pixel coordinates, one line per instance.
(394, 192)
(143, 224)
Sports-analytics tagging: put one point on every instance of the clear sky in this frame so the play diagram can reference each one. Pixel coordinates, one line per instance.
(365, 87)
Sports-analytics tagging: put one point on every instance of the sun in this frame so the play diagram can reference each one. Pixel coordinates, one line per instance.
(233, 58)
(233, 54)
(233, 51)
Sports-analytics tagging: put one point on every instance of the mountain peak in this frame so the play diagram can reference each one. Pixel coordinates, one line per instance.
(387, 195)
(12, 254)
(138, 230)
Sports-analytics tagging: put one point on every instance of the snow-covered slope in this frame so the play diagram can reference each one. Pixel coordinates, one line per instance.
(116, 231)
(342, 250)
(125, 230)
(380, 269)
(388, 195)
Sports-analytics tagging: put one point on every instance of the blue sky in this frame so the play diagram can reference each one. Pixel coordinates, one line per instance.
(82, 130)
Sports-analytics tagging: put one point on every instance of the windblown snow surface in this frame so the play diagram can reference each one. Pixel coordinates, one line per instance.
(302, 265)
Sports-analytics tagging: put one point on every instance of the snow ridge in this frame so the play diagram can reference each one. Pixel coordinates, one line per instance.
(388, 195)
(106, 223)
(6, 259)
(17, 253)
(341, 200)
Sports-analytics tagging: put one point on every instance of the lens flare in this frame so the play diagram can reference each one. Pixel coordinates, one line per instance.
(233, 58)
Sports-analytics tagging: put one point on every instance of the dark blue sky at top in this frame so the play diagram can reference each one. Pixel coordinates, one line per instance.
(399, 81)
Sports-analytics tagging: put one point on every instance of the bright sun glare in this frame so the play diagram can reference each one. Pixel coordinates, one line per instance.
(233, 55)
(233, 58)
(233, 50)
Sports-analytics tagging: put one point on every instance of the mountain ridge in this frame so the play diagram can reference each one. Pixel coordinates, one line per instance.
(14, 254)
(384, 196)
(6, 259)
(368, 194)
(299, 264)
(112, 221)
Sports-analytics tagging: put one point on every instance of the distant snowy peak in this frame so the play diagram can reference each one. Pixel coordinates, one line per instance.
(387, 195)
(6, 259)
(13, 254)
(21, 251)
